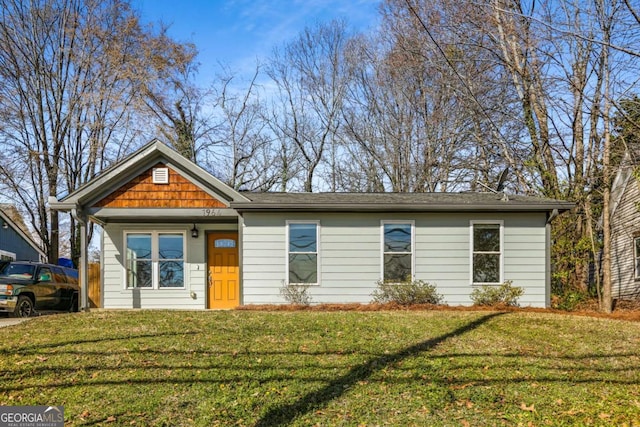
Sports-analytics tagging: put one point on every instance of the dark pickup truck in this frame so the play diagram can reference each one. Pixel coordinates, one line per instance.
(30, 287)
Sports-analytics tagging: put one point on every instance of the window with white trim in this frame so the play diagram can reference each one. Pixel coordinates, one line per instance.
(154, 259)
(636, 255)
(486, 252)
(397, 251)
(302, 252)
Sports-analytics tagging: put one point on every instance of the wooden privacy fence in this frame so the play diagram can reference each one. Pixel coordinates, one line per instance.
(94, 285)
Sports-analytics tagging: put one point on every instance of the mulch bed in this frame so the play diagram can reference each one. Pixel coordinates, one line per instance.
(623, 310)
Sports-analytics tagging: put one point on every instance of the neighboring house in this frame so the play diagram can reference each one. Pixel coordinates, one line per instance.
(625, 232)
(174, 236)
(16, 242)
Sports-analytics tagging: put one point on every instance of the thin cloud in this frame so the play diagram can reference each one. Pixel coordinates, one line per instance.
(238, 33)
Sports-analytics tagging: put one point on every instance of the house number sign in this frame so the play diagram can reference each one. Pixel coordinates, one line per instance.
(211, 212)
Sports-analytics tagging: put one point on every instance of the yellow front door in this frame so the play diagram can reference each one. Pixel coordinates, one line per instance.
(222, 263)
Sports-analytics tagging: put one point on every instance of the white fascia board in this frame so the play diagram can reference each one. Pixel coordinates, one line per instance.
(161, 214)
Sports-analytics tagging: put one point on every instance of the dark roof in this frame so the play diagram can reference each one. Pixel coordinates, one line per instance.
(398, 202)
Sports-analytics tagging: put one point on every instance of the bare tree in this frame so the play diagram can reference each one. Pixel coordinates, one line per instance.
(70, 78)
(181, 109)
(249, 158)
(311, 81)
(413, 109)
(540, 86)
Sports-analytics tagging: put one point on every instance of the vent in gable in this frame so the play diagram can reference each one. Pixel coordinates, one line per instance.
(160, 175)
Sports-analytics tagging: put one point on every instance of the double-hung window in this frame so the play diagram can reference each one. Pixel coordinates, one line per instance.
(486, 252)
(154, 260)
(397, 251)
(302, 248)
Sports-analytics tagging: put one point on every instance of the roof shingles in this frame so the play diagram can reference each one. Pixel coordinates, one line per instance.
(427, 202)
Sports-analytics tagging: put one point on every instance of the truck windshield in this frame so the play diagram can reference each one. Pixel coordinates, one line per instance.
(18, 271)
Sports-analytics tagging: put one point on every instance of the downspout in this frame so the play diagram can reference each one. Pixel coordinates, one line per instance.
(83, 267)
(547, 269)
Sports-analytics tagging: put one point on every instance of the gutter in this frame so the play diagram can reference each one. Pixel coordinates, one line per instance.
(55, 205)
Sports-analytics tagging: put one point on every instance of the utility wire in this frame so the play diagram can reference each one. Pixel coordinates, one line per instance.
(466, 86)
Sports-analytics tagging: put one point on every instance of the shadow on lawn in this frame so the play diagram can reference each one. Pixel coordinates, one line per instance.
(285, 414)
(35, 348)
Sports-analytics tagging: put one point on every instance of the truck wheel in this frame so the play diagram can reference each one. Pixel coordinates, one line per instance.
(24, 307)
(74, 304)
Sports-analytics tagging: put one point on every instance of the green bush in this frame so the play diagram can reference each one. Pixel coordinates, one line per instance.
(295, 294)
(504, 294)
(569, 301)
(406, 293)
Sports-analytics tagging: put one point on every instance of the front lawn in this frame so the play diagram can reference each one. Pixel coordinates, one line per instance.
(420, 368)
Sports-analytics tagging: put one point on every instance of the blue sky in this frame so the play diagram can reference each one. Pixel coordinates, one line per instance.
(238, 32)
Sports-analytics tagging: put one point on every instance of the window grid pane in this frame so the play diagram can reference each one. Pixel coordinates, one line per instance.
(303, 268)
(170, 246)
(139, 274)
(397, 238)
(302, 238)
(397, 267)
(486, 268)
(171, 274)
(486, 238)
(139, 245)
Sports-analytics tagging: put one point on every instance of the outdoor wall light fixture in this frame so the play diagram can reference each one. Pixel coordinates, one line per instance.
(5, 225)
(194, 232)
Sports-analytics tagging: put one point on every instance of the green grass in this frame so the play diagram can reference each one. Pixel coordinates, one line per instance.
(418, 368)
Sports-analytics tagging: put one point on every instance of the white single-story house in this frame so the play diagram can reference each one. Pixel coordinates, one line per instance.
(174, 236)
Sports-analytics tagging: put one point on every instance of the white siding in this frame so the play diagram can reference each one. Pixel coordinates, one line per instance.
(625, 224)
(351, 255)
(115, 295)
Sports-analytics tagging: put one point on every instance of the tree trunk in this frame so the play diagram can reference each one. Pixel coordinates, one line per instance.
(606, 23)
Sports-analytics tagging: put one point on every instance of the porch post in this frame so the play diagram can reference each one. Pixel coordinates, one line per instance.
(84, 266)
(83, 269)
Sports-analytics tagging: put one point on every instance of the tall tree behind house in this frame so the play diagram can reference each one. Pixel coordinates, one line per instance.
(71, 79)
